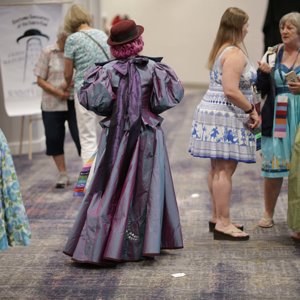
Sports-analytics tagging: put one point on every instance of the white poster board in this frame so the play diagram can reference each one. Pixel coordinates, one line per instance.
(25, 30)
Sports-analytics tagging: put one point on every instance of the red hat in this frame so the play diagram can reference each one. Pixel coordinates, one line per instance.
(116, 20)
(123, 32)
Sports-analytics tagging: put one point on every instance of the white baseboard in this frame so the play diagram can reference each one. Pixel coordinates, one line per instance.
(38, 145)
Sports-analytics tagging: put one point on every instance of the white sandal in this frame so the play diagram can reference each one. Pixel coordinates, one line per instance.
(266, 222)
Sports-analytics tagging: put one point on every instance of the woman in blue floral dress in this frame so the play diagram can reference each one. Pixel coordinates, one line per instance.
(224, 118)
(14, 226)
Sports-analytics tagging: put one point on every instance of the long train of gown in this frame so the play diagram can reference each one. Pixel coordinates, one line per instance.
(130, 209)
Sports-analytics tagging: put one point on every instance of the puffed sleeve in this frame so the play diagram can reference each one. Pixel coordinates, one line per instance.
(96, 93)
(167, 89)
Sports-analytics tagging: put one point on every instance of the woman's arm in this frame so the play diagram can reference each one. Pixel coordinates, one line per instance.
(49, 88)
(68, 72)
(234, 63)
(294, 86)
(264, 81)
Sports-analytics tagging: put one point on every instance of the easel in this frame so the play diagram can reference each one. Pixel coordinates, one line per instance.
(31, 118)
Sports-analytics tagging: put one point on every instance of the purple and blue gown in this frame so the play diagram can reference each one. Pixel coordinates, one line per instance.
(129, 211)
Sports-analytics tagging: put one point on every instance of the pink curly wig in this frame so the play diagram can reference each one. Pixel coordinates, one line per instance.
(129, 49)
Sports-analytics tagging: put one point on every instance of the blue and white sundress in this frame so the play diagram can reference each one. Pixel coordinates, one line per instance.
(219, 128)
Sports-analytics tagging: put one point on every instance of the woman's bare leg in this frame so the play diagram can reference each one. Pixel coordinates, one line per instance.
(213, 202)
(222, 172)
(272, 187)
(60, 163)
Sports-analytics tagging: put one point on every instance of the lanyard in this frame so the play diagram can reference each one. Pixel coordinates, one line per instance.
(278, 63)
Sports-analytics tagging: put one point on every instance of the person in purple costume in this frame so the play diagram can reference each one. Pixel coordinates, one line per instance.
(129, 211)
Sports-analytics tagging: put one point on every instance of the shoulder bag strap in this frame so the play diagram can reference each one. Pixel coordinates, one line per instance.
(107, 57)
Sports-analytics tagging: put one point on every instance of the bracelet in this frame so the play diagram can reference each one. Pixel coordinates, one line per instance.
(250, 110)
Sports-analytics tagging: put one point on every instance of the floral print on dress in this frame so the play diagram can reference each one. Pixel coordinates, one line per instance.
(219, 128)
(14, 226)
(85, 52)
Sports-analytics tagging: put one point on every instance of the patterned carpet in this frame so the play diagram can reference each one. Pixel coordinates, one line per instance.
(265, 267)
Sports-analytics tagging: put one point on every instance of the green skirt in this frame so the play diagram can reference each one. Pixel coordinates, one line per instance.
(294, 186)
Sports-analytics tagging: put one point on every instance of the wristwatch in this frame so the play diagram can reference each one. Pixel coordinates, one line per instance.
(250, 110)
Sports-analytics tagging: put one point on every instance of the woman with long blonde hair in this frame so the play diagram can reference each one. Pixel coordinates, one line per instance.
(224, 118)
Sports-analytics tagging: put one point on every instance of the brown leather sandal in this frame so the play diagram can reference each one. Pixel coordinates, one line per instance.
(227, 235)
(212, 225)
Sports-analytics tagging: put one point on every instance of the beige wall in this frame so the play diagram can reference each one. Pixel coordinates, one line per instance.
(183, 31)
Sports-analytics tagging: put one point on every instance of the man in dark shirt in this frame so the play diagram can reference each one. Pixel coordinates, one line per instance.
(276, 9)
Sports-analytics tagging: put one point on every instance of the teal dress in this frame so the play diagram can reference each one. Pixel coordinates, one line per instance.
(276, 152)
(14, 226)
